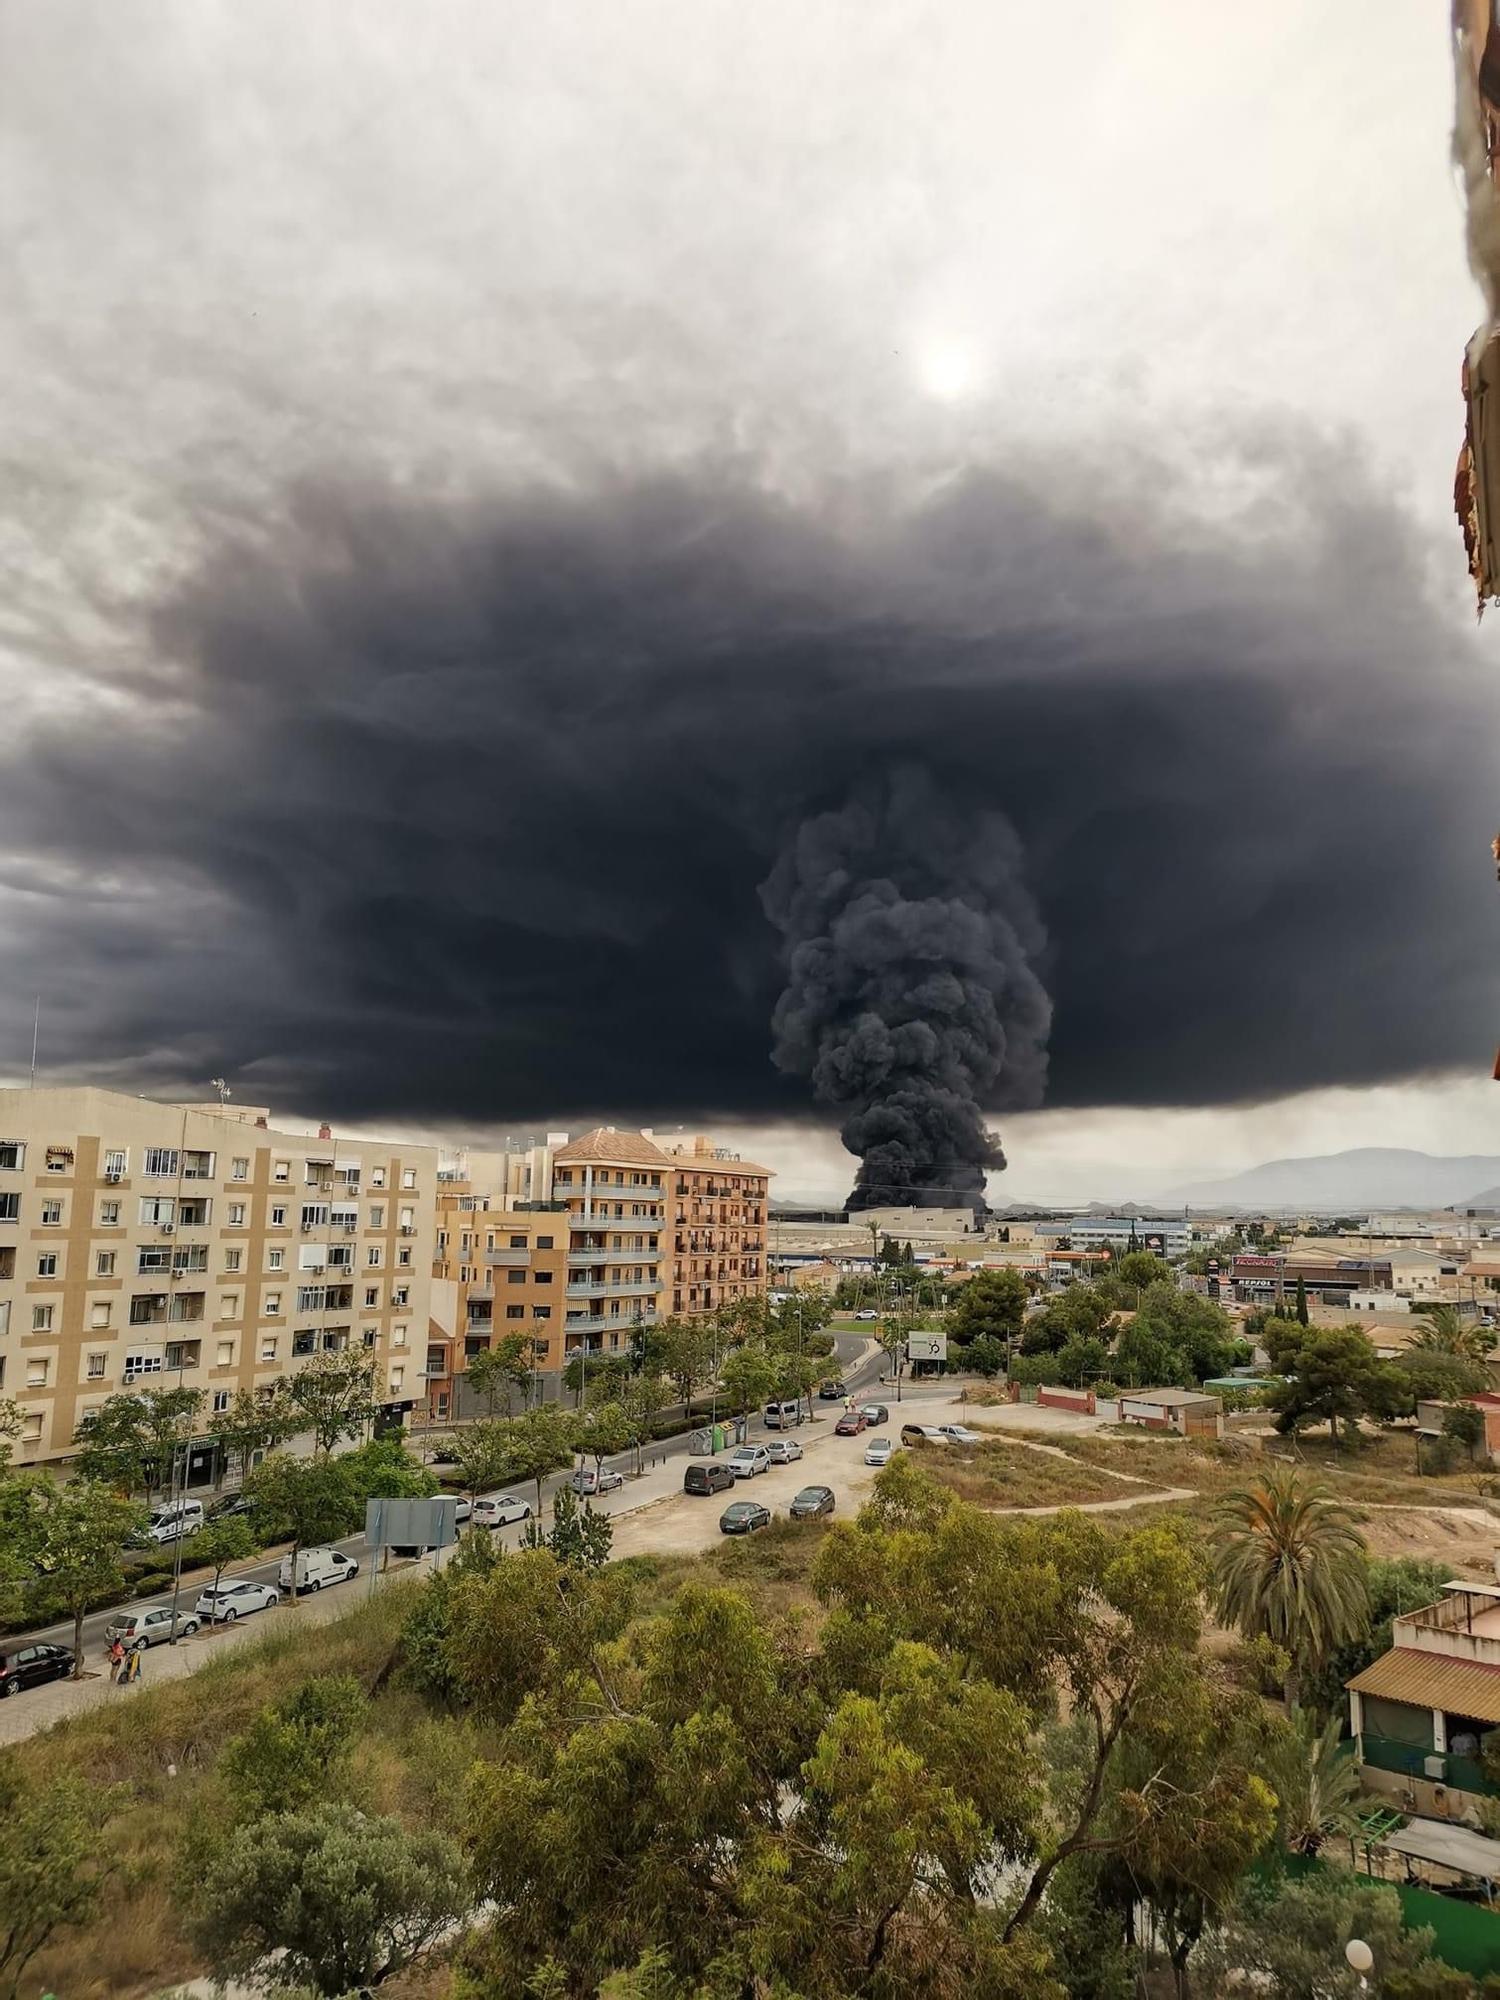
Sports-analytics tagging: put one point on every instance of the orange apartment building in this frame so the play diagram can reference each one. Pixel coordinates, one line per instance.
(496, 1271)
(718, 1210)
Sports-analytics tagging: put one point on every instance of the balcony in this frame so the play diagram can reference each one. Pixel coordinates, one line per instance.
(507, 1260)
(602, 1220)
(480, 1294)
(606, 1291)
(1463, 1625)
(619, 1324)
(1412, 1760)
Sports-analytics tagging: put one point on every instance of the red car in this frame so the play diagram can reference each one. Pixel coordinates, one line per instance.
(850, 1424)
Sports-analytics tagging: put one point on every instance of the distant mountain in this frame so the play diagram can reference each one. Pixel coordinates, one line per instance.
(1364, 1178)
(1486, 1198)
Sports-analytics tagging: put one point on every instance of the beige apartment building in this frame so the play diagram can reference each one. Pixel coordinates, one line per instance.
(143, 1243)
(718, 1214)
(611, 1188)
(496, 1271)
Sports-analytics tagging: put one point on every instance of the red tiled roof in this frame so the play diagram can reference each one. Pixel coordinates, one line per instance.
(629, 1149)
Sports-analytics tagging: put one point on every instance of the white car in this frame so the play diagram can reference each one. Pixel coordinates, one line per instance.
(868, 1313)
(880, 1451)
(748, 1460)
(783, 1451)
(463, 1509)
(500, 1510)
(236, 1600)
(587, 1480)
(960, 1434)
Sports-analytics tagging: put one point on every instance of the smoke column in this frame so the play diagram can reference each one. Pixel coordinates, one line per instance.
(912, 999)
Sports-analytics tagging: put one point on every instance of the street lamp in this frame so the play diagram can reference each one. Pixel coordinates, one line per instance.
(1361, 1960)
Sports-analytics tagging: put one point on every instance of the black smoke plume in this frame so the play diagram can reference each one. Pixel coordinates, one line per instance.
(912, 1002)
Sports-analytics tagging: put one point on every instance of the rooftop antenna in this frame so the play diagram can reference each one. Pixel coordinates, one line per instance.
(221, 1087)
(36, 1029)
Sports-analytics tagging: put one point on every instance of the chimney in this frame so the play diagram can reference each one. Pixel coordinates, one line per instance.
(261, 1122)
(325, 1131)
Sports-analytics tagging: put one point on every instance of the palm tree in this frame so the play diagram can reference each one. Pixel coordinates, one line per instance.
(1441, 1331)
(1290, 1563)
(1316, 1782)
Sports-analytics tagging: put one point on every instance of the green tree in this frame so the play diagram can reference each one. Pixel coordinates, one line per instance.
(483, 1455)
(497, 1371)
(601, 1431)
(989, 1302)
(252, 1424)
(1316, 1782)
(746, 1378)
(1140, 1268)
(77, 1535)
(540, 1442)
(1432, 1375)
(1081, 1362)
(579, 1539)
(130, 1440)
(1289, 1562)
(1464, 1424)
(985, 1355)
(1302, 1319)
(682, 1350)
(11, 1425)
(643, 1399)
(384, 1469)
(329, 1897)
(1396, 1585)
(1079, 1311)
(54, 1860)
(1288, 1933)
(1443, 1330)
(334, 1395)
(220, 1543)
(1334, 1376)
(304, 1501)
(295, 1751)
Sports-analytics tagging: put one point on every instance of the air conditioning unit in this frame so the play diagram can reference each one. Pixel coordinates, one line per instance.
(112, 1178)
(1435, 1768)
(317, 1270)
(168, 1229)
(408, 1229)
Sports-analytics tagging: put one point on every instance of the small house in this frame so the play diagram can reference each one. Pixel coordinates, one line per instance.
(1189, 1412)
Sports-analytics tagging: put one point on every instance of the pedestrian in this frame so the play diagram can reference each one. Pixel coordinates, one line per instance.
(116, 1657)
(133, 1665)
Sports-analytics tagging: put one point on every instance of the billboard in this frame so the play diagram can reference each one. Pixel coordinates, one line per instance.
(411, 1524)
(927, 1347)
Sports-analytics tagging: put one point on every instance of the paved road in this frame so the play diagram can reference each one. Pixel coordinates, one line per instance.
(859, 1359)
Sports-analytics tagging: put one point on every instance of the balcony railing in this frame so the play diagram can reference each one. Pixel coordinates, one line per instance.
(1410, 1760)
(609, 1291)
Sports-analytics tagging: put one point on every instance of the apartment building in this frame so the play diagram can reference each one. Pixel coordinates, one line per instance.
(611, 1191)
(496, 1271)
(718, 1217)
(142, 1242)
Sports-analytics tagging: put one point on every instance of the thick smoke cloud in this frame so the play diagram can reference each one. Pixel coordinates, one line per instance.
(458, 810)
(913, 1001)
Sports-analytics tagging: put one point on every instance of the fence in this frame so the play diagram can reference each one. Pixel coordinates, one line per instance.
(1410, 1760)
(1466, 1935)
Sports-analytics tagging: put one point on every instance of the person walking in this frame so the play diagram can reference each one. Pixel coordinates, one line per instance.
(133, 1665)
(116, 1657)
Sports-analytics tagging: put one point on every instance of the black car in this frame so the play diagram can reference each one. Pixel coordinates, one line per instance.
(875, 1413)
(30, 1666)
(231, 1505)
(831, 1392)
(810, 1502)
(712, 1477)
(744, 1517)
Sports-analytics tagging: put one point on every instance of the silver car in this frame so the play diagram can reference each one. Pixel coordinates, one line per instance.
(783, 1451)
(150, 1626)
(587, 1480)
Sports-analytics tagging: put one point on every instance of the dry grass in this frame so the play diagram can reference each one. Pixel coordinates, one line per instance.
(1010, 1473)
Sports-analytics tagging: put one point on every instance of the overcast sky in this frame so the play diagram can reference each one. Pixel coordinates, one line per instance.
(478, 475)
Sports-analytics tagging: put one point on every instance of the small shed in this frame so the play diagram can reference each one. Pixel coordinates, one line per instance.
(1189, 1412)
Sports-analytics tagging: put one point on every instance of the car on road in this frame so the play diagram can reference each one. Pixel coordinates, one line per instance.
(783, 1451)
(960, 1434)
(874, 1413)
(831, 1391)
(500, 1510)
(781, 1416)
(316, 1569)
(236, 1600)
(868, 1313)
(172, 1523)
(748, 1460)
(30, 1666)
(918, 1434)
(231, 1506)
(708, 1476)
(880, 1451)
(463, 1509)
(743, 1517)
(850, 1424)
(589, 1479)
(150, 1626)
(810, 1502)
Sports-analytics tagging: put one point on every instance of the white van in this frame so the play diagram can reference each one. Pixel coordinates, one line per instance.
(782, 1416)
(171, 1523)
(315, 1568)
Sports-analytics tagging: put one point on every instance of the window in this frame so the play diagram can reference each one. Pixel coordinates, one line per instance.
(315, 1215)
(232, 1259)
(31, 1427)
(515, 1277)
(275, 1260)
(116, 1163)
(96, 1367)
(10, 1207)
(146, 1307)
(278, 1216)
(236, 1215)
(273, 1304)
(372, 1297)
(156, 1209)
(283, 1170)
(515, 1312)
(161, 1163)
(221, 1401)
(377, 1177)
(518, 1243)
(12, 1156)
(143, 1364)
(368, 1336)
(268, 1350)
(104, 1263)
(398, 1336)
(46, 1264)
(303, 1344)
(4, 1315)
(239, 1169)
(311, 1298)
(197, 1166)
(409, 1177)
(541, 1312)
(229, 1305)
(403, 1256)
(408, 1220)
(59, 1159)
(401, 1296)
(38, 1368)
(398, 1376)
(542, 1277)
(544, 1243)
(153, 1257)
(99, 1314)
(372, 1255)
(52, 1212)
(377, 1216)
(225, 1353)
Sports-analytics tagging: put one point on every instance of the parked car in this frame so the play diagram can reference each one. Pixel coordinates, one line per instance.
(850, 1424)
(960, 1434)
(500, 1510)
(880, 1451)
(588, 1479)
(707, 1476)
(875, 1413)
(236, 1600)
(443, 1455)
(810, 1502)
(749, 1459)
(30, 1666)
(743, 1517)
(231, 1505)
(463, 1509)
(173, 1523)
(779, 1416)
(315, 1569)
(922, 1434)
(150, 1626)
(783, 1451)
(869, 1312)
(831, 1391)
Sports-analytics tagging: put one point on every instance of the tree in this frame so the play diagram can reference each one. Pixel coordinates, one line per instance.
(335, 1395)
(483, 1455)
(384, 1469)
(1317, 1785)
(1464, 1424)
(541, 1442)
(1141, 1268)
(1289, 1562)
(1287, 1933)
(1334, 1377)
(1443, 1330)
(252, 1424)
(496, 1371)
(746, 1378)
(130, 1440)
(579, 1539)
(602, 1375)
(221, 1543)
(78, 1534)
(985, 1355)
(327, 1896)
(601, 1431)
(1302, 1319)
(294, 1751)
(1432, 1375)
(643, 1399)
(990, 1302)
(1081, 1310)
(304, 1501)
(682, 1350)
(1080, 1362)
(53, 1861)
(11, 1426)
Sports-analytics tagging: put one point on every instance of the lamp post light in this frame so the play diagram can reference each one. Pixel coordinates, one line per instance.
(1361, 1960)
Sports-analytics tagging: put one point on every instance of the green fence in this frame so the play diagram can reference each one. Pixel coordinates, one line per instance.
(1410, 1760)
(1465, 1935)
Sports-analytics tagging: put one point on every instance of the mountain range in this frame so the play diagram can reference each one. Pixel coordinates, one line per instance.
(1366, 1177)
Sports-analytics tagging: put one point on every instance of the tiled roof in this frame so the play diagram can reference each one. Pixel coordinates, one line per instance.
(1432, 1680)
(702, 1163)
(628, 1149)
